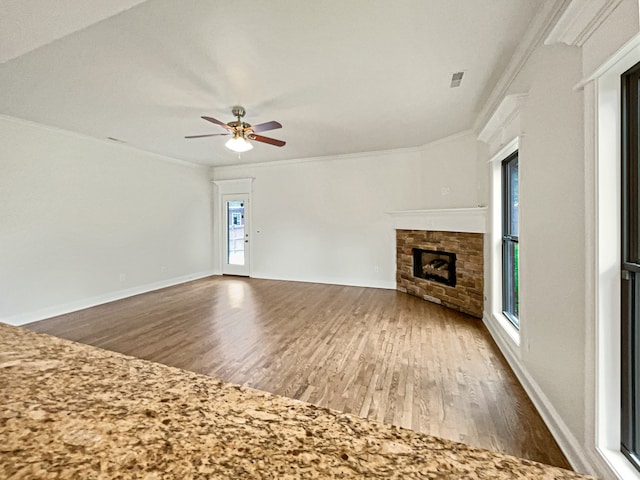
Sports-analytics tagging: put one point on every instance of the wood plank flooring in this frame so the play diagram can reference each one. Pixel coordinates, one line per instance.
(376, 353)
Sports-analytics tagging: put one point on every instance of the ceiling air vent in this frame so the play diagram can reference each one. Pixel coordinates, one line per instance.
(456, 79)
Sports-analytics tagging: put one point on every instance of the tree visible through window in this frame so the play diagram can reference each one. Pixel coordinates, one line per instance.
(510, 248)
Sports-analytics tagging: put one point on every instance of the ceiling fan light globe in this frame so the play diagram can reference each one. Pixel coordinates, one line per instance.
(238, 144)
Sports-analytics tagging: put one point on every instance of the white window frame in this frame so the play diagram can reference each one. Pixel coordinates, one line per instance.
(508, 331)
(503, 134)
(603, 235)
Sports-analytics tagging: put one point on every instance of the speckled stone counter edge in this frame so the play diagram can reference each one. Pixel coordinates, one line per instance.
(74, 411)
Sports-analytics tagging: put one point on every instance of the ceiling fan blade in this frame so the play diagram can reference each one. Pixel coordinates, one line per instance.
(270, 141)
(208, 135)
(217, 122)
(263, 127)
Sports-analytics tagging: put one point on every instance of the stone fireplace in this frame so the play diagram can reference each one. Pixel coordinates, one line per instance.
(441, 259)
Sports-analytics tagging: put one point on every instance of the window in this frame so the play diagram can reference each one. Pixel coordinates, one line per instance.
(630, 284)
(510, 250)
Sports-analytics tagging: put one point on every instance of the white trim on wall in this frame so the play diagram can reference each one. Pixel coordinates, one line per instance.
(241, 186)
(472, 220)
(540, 24)
(628, 49)
(346, 156)
(111, 143)
(504, 134)
(580, 19)
(500, 325)
(569, 445)
(56, 310)
(511, 341)
(602, 295)
(352, 282)
(495, 131)
(92, 221)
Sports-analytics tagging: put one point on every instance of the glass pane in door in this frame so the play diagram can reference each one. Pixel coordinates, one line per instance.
(235, 233)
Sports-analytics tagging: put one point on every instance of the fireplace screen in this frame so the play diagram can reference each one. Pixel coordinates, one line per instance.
(435, 265)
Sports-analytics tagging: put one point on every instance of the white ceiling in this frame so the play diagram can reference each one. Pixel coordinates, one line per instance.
(341, 76)
(28, 24)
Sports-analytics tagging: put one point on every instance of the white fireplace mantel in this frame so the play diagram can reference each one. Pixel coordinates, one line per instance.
(473, 220)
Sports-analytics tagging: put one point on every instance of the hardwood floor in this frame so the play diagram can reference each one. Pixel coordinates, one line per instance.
(376, 353)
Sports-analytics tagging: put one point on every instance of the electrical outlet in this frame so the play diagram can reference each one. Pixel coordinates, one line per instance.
(122, 277)
(163, 269)
(376, 269)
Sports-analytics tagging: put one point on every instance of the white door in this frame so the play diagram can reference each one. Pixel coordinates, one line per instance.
(236, 235)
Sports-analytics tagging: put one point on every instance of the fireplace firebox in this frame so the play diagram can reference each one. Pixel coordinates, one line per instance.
(435, 265)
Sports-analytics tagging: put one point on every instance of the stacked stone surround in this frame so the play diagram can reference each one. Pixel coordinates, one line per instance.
(467, 295)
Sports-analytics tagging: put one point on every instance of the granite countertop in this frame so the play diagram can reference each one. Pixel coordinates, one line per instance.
(71, 411)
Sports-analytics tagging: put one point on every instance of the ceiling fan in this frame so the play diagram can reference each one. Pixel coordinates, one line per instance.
(242, 132)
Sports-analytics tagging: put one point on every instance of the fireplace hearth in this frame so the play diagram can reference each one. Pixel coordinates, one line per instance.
(435, 265)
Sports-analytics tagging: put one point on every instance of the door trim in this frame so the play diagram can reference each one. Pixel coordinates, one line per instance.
(238, 186)
(229, 268)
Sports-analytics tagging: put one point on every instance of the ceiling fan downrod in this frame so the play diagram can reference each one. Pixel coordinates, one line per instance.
(238, 112)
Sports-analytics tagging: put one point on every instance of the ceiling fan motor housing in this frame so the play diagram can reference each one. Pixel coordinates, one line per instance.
(239, 125)
(238, 111)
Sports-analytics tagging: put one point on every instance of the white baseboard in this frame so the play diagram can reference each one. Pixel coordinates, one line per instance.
(330, 281)
(54, 311)
(570, 446)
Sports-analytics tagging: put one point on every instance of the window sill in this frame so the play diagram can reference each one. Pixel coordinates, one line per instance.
(619, 464)
(508, 327)
(504, 333)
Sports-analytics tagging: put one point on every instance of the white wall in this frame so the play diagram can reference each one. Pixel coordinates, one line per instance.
(323, 220)
(550, 360)
(552, 232)
(84, 221)
(549, 357)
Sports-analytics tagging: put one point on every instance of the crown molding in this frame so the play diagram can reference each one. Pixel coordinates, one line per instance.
(116, 145)
(508, 109)
(348, 156)
(544, 19)
(613, 60)
(579, 20)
